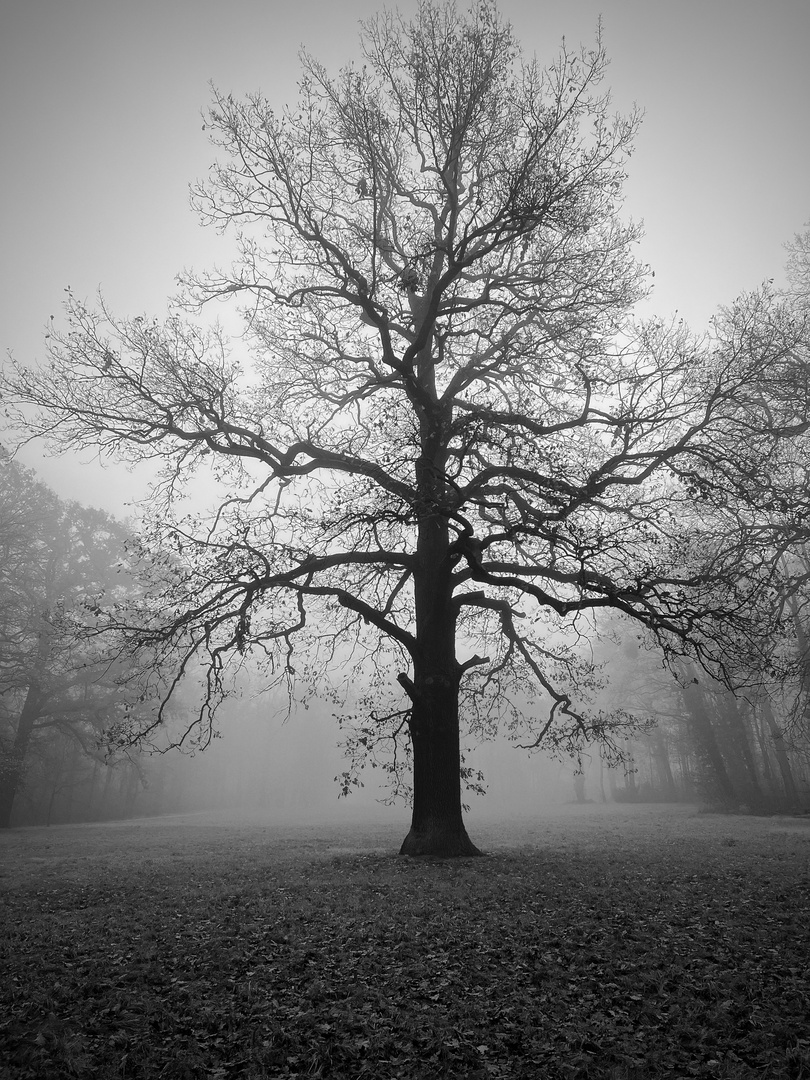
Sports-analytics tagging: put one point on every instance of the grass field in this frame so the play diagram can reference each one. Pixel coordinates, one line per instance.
(619, 942)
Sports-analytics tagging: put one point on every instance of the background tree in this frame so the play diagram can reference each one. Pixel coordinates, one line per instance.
(61, 684)
(798, 270)
(450, 444)
(705, 742)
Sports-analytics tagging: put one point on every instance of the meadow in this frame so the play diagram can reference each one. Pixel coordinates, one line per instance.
(613, 942)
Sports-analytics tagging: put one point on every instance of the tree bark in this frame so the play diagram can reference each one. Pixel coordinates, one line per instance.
(437, 826)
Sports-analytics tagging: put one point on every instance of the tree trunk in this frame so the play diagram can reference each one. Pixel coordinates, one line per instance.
(437, 827)
(737, 751)
(13, 772)
(11, 776)
(579, 786)
(613, 783)
(661, 756)
(764, 757)
(780, 750)
(710, 759)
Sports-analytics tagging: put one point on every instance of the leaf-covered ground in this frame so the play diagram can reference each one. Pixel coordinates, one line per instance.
(640, 943)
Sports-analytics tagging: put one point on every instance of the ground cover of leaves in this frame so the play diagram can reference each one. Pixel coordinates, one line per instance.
(638, 943)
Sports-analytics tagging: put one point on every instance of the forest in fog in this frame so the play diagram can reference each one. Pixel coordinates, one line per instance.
(701, 743)
(486, 533)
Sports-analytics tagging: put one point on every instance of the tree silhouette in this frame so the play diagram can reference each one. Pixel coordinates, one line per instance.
(447, 443)
(62, 573)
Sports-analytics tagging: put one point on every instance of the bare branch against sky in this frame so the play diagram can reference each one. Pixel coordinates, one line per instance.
(102, 135)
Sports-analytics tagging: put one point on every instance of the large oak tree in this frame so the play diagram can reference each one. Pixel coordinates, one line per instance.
(447, 443)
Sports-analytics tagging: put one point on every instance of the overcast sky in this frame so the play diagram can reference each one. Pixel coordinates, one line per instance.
(102, 133)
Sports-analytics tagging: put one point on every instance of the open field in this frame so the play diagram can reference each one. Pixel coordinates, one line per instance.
(621, 942)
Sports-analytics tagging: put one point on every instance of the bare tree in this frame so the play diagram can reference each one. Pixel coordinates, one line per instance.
(449, 444)
(798, 269)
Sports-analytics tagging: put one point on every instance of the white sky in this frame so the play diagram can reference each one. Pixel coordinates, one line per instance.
(101, 134)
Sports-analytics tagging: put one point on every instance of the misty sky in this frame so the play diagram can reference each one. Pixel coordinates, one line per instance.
(102, 133)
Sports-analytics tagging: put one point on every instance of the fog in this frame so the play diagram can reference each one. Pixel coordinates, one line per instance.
(289, 769)
(691, 742)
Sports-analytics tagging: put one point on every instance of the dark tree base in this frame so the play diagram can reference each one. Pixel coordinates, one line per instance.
(439, 841)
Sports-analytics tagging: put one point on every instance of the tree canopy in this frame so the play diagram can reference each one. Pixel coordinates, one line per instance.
(444, 443)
